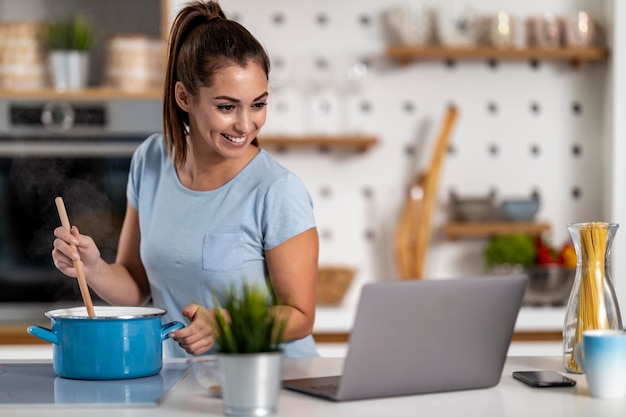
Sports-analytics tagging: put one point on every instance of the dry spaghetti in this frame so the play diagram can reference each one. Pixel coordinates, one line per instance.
(592, 313)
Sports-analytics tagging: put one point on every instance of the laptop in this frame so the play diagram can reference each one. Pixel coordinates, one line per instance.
(425, 336)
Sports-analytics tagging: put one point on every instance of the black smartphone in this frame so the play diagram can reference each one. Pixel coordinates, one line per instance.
(543, 379)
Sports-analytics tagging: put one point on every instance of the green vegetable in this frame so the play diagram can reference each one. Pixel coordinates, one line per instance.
(253, 327)
(517, 249)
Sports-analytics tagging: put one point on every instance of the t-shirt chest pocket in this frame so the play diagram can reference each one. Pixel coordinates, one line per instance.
(222, 251)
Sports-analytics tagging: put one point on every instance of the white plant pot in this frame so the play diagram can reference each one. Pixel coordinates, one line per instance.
(69, 69)
(250, 383)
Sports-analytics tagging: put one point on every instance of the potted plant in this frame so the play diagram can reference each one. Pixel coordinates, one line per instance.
(248, 333)
(68, 42)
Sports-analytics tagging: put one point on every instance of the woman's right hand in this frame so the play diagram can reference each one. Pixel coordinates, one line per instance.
(71, 246)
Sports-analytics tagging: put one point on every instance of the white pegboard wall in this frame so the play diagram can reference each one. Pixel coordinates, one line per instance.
(521, 127)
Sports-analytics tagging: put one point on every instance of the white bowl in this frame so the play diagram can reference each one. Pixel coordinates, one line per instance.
(520, 210)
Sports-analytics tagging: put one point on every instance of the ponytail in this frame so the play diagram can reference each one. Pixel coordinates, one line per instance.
(202, 42)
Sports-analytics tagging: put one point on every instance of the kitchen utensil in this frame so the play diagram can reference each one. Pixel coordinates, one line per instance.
(118, 343)
(82, 282)
(413, 230)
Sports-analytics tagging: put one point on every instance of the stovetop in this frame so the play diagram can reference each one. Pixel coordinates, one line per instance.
(36, 384)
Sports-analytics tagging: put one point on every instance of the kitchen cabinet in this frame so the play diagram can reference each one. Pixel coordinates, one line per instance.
(579, 57)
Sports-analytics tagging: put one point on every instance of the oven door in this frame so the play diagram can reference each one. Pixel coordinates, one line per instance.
(80, 151)
(93, 186)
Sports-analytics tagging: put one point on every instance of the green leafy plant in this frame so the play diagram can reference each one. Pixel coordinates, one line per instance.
(251, 326)
(71, 33)
(516, 249)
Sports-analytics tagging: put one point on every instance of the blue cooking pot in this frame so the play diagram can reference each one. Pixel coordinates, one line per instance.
(118, 343)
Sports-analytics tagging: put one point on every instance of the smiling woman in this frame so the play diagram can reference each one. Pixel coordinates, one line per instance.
(207, 208)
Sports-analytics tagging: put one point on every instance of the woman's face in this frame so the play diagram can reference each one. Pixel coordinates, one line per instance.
(227, 116)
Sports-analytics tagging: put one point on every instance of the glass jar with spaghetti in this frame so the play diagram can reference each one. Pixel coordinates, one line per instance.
(592, 302)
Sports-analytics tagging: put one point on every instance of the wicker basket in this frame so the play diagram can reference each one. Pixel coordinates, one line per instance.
(22, 59)
(332, 284)
(135, 62)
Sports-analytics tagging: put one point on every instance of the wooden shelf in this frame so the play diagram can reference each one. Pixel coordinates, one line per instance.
(84, 94)
(577, 56)
(355, 143)
(488, 229)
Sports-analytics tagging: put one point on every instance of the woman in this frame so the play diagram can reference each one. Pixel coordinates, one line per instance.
(207, 208)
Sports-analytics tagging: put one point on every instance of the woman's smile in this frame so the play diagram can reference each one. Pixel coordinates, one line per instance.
(237, 140)
(226, 117)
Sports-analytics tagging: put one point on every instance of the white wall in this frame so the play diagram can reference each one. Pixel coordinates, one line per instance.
(616, 130)
(358, 197)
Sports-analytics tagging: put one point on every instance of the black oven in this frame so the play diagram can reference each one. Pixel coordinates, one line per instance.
(78, 150)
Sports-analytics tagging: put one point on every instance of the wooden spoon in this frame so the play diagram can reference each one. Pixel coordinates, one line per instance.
(82, 282)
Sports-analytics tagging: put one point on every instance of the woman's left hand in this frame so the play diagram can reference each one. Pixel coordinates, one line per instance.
(198, 336)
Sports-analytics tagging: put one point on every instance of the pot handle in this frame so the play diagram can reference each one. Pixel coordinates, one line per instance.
(43, 333)
(170, 327)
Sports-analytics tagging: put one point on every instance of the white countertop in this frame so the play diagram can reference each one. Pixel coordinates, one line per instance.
(509, 398)
(529, 319)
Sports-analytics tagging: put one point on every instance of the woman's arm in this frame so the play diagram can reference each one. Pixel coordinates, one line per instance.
(122, 283)
(292, 268)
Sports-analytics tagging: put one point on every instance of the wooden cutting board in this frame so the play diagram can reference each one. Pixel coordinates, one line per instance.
(413, 231)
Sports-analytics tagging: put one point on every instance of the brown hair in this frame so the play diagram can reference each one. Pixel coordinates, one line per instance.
(202, 42)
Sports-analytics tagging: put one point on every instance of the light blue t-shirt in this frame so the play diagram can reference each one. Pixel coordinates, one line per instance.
(198, 243)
